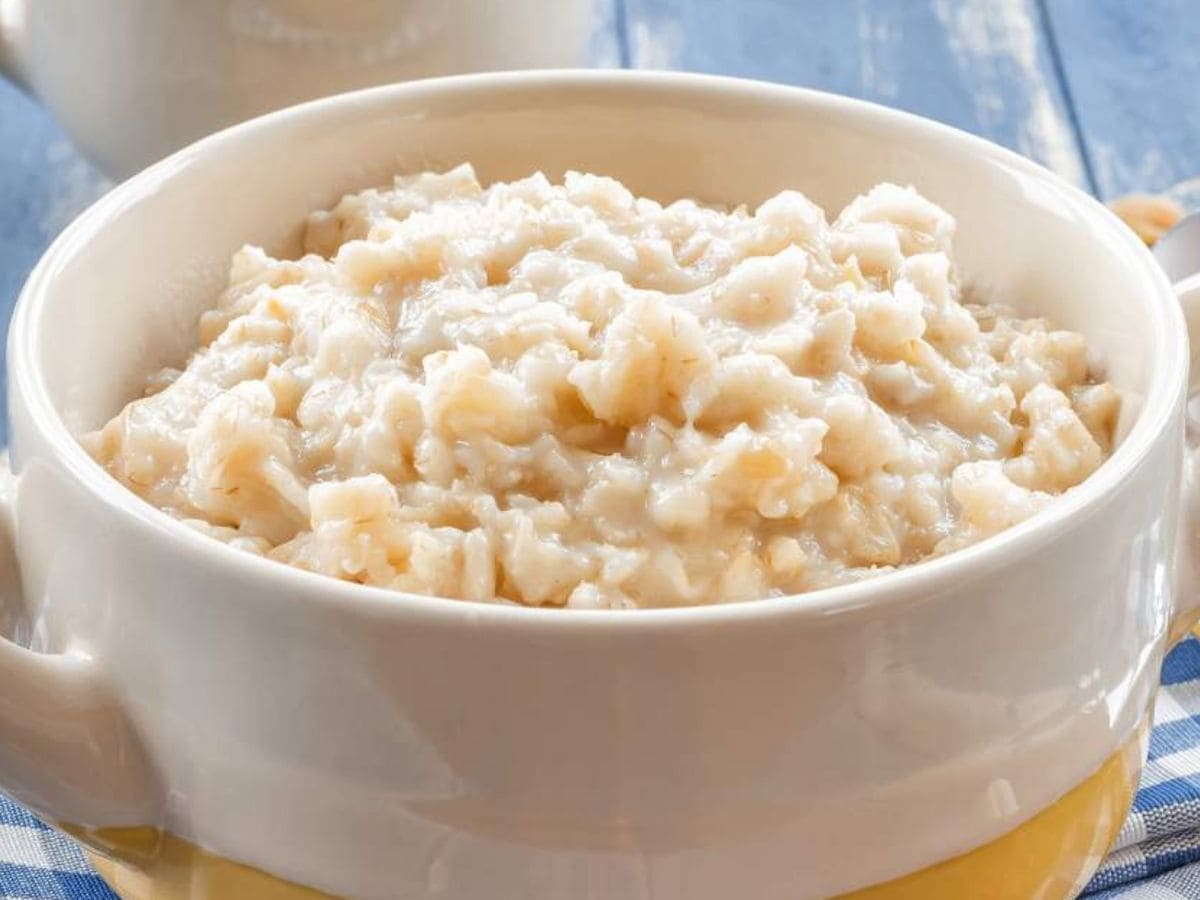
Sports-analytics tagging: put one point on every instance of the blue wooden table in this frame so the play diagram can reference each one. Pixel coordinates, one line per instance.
(1102, 91)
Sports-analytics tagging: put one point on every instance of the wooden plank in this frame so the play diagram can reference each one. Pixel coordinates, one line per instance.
(1133, 71)
(44, 183)
(608, 49)
(981, 65)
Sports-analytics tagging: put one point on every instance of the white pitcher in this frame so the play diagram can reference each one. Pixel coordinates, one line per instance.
(132, 80)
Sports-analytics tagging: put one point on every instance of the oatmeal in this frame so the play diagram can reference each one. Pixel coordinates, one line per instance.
(566, 395)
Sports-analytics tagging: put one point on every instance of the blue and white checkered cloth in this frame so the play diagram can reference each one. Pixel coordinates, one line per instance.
(1156, 856)
(39, 863)
(1157, 853)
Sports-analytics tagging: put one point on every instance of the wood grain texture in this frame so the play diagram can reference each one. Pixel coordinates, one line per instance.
(981, 65)
(1133, 72)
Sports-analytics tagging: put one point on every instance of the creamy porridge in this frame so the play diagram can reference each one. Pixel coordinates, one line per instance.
(562, 394)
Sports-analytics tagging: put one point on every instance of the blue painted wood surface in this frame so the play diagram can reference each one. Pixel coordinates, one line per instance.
(1102, 91)
(1133, 71)
(982, 65)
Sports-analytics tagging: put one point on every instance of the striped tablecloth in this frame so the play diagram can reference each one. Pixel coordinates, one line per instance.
(1157, 854)
(1156, 857)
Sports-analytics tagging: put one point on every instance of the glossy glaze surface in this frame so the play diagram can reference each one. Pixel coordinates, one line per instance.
(1050, 856)
(462, 750)
(146, 864)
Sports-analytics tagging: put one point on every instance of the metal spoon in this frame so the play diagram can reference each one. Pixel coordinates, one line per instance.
(1178, 251)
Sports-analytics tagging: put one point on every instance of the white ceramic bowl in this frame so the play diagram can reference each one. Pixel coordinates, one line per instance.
(378, 745)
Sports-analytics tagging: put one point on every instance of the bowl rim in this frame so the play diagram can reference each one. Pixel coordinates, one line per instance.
(1163, 399)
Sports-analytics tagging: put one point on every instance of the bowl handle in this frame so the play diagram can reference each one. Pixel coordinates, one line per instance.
(67, 749)
(1187, 557)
